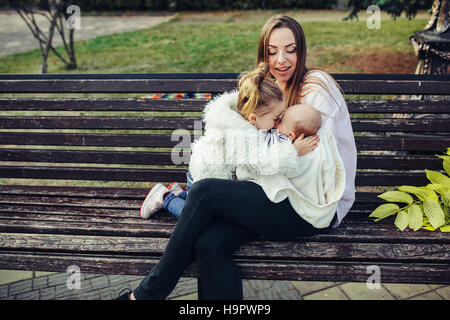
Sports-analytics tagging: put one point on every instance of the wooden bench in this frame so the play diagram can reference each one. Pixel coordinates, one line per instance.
(98, 227)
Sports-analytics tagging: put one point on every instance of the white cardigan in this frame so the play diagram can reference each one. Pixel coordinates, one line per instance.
(317, 186)
(336, 117)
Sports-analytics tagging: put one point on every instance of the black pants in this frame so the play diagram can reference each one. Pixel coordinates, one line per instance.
(219, 216)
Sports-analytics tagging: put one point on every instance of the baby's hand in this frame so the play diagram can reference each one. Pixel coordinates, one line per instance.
(305, 145)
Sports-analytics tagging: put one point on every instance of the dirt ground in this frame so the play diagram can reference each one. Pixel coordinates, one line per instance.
(383, 62)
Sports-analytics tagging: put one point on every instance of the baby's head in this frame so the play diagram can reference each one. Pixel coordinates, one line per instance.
(260, 100)
(298, 119)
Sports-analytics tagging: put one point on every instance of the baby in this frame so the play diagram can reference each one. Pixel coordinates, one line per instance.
(299, 119)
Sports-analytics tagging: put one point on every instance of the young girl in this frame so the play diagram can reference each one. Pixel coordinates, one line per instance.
(228, 140)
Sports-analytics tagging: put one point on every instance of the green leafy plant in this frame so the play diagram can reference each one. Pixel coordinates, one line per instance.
(426, 207)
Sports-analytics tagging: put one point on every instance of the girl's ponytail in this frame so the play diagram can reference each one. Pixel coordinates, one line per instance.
(255, 91)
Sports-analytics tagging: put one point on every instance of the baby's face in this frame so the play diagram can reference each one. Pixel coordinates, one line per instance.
(270, 119)
(286, 125)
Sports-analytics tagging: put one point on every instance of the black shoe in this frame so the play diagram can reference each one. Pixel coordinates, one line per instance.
(124, 294)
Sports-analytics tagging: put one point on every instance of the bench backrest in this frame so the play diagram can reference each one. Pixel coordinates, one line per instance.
(131, 139)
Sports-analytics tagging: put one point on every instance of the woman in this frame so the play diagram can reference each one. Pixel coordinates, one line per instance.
(220, 215)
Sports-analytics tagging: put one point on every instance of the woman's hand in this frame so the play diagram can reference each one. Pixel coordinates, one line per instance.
(305, 145)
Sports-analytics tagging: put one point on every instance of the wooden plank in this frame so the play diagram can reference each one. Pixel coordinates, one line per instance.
(433, 143)
(87, 226)
(167, 158)
(78, 192)
(188, 122)
(87, 139)
(92, 173)
(390, 179)
(64, 200)
(276, 270)
(197, 105)
(364, 200)
(403, 143)
(168, 175)
(110, 123)
(48, 212)
(402, 125)
(398, 106)
(123, 85)
(118, 86)
(411, 162)
(83, 104)
(264, 250)
(351, 230)
(88, 156)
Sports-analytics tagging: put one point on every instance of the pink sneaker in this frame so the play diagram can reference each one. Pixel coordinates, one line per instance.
(175, 188)
(154, 200)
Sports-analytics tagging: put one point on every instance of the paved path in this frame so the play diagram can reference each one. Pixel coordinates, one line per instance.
(101, 287)
(16, 37)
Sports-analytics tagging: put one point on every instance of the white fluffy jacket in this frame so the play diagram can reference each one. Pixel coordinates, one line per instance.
(230, 141)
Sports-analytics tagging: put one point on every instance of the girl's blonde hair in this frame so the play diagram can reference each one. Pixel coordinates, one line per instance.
(256, 92)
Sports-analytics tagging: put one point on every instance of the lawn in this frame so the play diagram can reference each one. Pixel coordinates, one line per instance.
(226, 42)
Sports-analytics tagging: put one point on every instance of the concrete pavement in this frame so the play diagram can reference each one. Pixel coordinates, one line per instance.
(53, 286)
(16, 37)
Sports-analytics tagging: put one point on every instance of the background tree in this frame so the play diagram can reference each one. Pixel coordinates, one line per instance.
(393, 7)
(55, 13)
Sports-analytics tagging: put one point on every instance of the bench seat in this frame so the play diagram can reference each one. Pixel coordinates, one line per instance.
(98, 227)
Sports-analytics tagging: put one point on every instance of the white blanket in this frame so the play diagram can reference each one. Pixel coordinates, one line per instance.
(317, 186)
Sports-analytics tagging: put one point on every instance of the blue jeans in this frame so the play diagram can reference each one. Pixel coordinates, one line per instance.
(174, 204)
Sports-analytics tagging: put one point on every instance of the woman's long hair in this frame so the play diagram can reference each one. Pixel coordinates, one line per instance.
(294, 87)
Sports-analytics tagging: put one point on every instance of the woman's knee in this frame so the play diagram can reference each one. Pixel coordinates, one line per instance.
(202, 187)
(208, 248)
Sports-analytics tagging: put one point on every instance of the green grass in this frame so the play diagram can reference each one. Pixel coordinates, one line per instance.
(179, 46)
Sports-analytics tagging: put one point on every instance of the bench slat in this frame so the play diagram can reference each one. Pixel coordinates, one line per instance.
(276, 270)
(113, 193)
(187, 122)
(354, 228)
(168, 175)
(349, 86)
(92, 173)
(197, 105)
(88, 139)
(413, 143)
(267, 250)
(166, 158)
(83, 104)
(62, 204)
(400, 143)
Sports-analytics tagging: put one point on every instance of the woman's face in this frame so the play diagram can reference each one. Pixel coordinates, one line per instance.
(282, 55)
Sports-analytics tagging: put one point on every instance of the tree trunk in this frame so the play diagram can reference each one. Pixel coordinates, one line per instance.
(432, 46)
